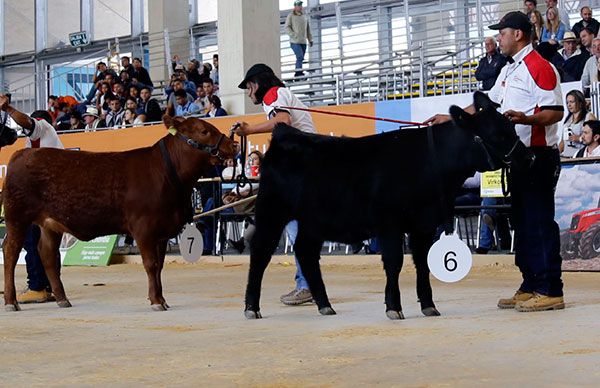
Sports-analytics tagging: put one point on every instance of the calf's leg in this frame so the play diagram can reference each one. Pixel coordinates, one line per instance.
(13, 243)
(162, 249)
(149, 251)
(419, 245)
(392, 254)
(308, 252)
(263, 244)
(49, 253)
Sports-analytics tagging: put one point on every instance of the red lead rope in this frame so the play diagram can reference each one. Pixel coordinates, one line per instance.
(353, 115)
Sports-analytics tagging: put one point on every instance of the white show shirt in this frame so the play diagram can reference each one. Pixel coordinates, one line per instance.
(278, 97)
(530, 84)
(43, 136)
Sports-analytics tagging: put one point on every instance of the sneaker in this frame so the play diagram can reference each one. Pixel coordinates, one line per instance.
(539, 302)
(296, 297)
(31, 296)
(510, 303)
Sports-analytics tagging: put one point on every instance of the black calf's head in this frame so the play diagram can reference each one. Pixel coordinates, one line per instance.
(494, 133)
(8, 135)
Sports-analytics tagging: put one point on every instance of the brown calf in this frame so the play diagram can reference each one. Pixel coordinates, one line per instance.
(94, 194)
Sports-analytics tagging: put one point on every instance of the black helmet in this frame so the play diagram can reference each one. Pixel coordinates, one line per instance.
(255, 70)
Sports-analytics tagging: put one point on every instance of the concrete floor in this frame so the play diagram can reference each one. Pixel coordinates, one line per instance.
(110, 336)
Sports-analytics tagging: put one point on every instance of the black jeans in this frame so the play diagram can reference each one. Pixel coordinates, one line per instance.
(537, 238)
(36, 275)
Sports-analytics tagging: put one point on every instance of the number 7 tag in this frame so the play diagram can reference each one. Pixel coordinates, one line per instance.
(191, 243)
(449, 259)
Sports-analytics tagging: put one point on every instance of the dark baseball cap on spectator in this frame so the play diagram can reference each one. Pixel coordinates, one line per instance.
(253, 71)
(515, 19)
(297, 3)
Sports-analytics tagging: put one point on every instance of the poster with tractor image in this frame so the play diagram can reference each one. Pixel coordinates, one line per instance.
(578, 215)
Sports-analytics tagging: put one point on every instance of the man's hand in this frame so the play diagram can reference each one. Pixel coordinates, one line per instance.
(310, 43)
(3, 102)
(240, 128)
(438, 119)
(516, 117)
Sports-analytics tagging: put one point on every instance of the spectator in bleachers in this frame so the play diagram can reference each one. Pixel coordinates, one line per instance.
(573, 124)
(131, 103)
(537, 22)
(490, 65)
(131, 119)
(53, 107)
(214, 74)
(591, 138)
(554, 29)
(102, 71)
(114, 118)
(92, 119)
(586, 21)
(76, 121)
(590, 71)
(177, 85)
(586, 36)
(215, 108)
(104, 92)
(119, 91)
(562, 13)
(127, 66)
(63, 119)
(134, 92)
(189, 86)
(125, 79)
(572, 59)
(298, 29)
(141, 74)
(184, 107)
(148, 108)
(201, 101)
(530, 6)
(193, 72)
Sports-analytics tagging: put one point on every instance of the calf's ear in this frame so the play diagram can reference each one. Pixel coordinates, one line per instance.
(172, 121)
(482, 101)
(460, 117)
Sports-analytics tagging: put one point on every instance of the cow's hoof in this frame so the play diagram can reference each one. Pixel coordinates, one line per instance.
(327, 311)
(159, 307)
(63, 303)
(430, 312)
(394, 315)
(249, 314)
(12, 307)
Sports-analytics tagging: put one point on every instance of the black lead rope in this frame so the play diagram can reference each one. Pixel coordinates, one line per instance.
(448, 227)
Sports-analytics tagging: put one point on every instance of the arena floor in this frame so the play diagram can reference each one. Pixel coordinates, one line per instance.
(110, 336)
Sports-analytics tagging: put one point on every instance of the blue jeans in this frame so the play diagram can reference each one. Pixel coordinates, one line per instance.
(292, 232)
(36, 275)
(486, 236)
(299, 50)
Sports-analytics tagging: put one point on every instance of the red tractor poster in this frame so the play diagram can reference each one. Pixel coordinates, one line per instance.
(578, 216)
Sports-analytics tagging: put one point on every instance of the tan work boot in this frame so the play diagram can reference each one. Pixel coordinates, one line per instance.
(296, 297)
(31, 296)
(510, 303)
(541, 302)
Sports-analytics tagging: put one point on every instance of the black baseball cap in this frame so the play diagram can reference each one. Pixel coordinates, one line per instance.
(515, 19)
(255, 70)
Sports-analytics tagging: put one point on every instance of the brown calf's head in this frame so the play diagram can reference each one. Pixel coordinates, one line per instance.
(203, 136)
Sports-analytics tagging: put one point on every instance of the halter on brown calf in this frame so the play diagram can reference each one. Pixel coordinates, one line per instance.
(94, 194)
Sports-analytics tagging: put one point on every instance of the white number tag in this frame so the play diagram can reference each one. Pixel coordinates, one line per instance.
(191, 243)
(449, 259)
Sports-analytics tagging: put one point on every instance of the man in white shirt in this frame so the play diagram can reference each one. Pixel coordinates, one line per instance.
(263, 87)
(40, 133)
(528, 92)
(590, 136)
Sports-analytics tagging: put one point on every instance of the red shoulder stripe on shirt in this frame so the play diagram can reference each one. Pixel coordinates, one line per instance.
(541, 70)
(538, 133)
(271, 95)
(35, 143)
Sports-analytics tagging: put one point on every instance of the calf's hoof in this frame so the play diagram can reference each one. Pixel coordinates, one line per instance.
(12, 307)
(63, 303)
(159, 307)
(249, 314)
(430, 312)
(394, 315)
(327, 311)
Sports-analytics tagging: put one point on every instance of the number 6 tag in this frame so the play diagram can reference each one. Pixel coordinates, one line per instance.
(449, 259)
(191, 243)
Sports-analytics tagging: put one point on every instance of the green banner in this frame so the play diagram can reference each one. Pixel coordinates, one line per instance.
(93, 253)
